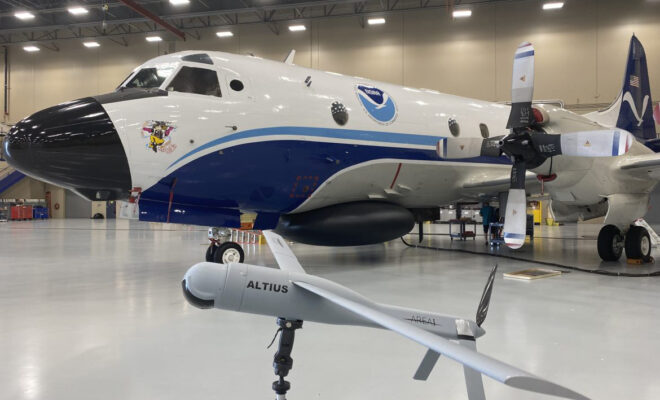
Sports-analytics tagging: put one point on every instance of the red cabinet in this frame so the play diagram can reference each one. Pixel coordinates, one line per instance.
(21, 212)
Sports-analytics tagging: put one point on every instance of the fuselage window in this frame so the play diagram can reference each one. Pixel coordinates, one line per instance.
(484, 131)
(196, 80)
(149, 78)
(236, 85)
(453, 127)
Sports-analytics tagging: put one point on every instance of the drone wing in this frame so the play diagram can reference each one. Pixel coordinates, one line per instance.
(495, 369)
(285, 258)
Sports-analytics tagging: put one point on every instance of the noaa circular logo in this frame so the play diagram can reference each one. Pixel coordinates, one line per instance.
(377, 103)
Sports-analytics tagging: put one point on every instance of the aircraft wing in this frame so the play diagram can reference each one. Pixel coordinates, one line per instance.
(496, 181)
(285, 258)
(491, 367)
(649, 163)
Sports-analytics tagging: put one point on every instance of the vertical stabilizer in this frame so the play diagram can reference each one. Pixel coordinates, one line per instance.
(632, 109)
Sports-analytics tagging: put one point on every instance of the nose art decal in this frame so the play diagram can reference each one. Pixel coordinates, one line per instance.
(158, 135)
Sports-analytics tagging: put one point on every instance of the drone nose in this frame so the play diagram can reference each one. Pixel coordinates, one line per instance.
(74, 145)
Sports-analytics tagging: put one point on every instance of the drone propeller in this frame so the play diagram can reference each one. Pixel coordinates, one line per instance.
(473, 379)
(482, 310)
(528, 146)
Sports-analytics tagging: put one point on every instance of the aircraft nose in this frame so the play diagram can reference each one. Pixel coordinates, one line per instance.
(74, 145)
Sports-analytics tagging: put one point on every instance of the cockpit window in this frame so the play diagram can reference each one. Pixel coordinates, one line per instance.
(149, 78)
(196, 80)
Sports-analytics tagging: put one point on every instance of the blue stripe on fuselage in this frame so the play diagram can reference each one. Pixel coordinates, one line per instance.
(346, 134)
(275, 176)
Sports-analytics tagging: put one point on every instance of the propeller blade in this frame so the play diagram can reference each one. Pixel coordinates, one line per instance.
(452, 148)
(522, 87)
(473, 379)
(482, 310)
(457, 148)
(515, 220)
(601, 143)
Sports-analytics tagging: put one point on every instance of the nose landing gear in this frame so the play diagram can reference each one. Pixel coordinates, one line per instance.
(221, 250)
(636, 242)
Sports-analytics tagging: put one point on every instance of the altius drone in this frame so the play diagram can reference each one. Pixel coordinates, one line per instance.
(295, 296)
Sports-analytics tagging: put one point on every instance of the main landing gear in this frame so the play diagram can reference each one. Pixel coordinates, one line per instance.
(636, 242)
(221, 250)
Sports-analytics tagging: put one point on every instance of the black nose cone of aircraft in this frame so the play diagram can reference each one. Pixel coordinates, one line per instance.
(74, 145)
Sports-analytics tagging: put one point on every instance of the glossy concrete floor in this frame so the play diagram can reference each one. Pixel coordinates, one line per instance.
(93, 310)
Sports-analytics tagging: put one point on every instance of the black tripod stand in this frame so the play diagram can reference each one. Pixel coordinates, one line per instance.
(282, 361)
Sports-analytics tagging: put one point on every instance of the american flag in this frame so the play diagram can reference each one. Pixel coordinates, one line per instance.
(634, 81)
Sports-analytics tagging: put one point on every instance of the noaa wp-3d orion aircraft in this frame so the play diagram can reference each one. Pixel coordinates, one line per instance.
(329, 159)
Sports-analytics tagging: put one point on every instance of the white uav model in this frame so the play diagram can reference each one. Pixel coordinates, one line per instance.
(330, 159)
(293, 296)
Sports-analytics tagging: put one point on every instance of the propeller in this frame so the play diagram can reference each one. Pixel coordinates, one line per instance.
(528, 146)
(473, 379)
(467, 336)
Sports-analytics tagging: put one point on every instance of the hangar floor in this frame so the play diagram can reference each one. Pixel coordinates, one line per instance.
(93, 310)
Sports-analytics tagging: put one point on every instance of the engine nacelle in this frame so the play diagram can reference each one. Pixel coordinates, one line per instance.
(349, 224)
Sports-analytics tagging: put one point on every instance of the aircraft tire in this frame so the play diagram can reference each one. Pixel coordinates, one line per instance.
(638, 243)
(210, 252)
(609, 240)
(229, 252)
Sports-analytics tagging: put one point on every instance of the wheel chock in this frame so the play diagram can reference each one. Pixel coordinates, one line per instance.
(640, 261)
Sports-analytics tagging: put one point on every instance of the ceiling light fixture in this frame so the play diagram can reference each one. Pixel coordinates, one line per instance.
(153, 38)
(91, 44)
(24, 15)
(462, 13)
(179, 2)
(553, 6)
(376, 21)
(297, 28)
(78, 10)
(224, 34)
(31, 49)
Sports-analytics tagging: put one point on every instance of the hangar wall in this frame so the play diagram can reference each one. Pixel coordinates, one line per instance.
(581, 52)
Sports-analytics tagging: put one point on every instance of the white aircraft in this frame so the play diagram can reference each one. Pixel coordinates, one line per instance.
(295, 296)
(329, 159)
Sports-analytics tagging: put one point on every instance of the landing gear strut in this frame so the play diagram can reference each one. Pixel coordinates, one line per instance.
(637, 243)
(282, 361)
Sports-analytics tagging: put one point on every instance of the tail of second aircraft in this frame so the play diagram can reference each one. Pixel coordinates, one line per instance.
(632, 109)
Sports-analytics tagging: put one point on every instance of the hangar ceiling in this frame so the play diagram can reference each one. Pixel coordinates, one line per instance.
(50, 21)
